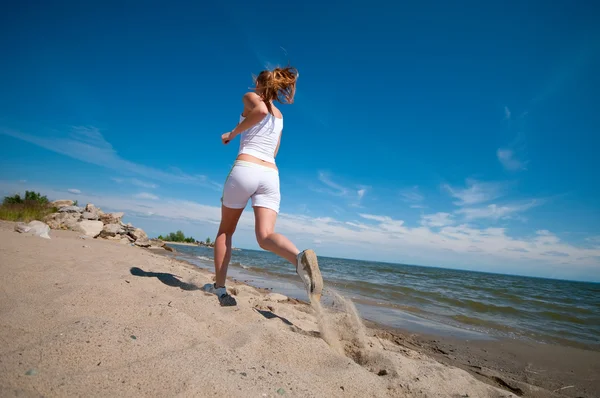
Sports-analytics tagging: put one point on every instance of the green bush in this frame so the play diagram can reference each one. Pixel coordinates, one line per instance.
(33, 206)
(177, 237)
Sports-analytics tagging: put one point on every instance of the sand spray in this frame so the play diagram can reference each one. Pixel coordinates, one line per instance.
(344, 331)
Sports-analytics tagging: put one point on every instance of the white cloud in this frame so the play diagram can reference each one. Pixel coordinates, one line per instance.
(437, 220)
(476, 192)
(412, 195)
(334, 188)
(74, 191)
(145, 195)
(135, 181)
(495, 212)
(378, 237)
(353, 195)
(87, 144)
(506, 113)
(509, 160)
(361, 193)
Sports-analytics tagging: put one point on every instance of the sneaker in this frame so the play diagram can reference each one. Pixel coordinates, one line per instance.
(307, 268)
(221, 292)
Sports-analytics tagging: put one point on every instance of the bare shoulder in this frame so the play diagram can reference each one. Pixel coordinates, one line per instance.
(251, 97)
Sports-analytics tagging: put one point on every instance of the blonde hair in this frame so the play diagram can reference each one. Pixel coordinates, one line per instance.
(277, 84)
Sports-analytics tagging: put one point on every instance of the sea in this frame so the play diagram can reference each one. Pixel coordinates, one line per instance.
(435, 301)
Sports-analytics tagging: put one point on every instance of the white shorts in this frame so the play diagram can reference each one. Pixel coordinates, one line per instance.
(250, 180)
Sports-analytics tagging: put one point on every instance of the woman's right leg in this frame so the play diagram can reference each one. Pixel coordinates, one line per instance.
(223, 242)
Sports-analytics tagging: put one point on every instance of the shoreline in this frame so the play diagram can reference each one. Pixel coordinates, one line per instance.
(519, 366)
(103, 310)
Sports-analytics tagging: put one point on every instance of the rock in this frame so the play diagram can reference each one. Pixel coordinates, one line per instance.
(111, 218)
(89, 216)
(61, 203)
(35, 227)
(111, 230)
(169, 249)
(70, 209)
(276, 297)
(90, 228)
(125, 241)
(91, 208)
(22, 228)
(63, 220)
(142, 242)
(157, 243)
(138, 233)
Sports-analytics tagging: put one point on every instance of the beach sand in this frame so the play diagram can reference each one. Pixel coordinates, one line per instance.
(89, 317)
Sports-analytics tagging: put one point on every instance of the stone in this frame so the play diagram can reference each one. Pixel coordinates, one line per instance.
(142, 242)
(91, 208)
(169, 249)
(22, 228)
(86, 215)
(90, 228)
(35, 227)
(125, 241)
(276, 297)
(63, 220)
(111, 218)
(138, 233)
(157, 243)
(111, 230)
(61, 203)
(70, 209)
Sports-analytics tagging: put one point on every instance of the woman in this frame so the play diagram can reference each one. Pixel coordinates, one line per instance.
(255, 175)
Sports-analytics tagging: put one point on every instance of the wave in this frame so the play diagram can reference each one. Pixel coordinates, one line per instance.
(204, 258)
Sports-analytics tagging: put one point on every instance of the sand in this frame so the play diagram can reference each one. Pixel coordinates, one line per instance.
(88, 317)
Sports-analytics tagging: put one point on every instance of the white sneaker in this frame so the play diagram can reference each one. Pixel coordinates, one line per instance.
(221, 292)
(307, 267)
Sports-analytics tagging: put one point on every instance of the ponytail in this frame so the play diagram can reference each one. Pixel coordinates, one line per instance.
(278, 84)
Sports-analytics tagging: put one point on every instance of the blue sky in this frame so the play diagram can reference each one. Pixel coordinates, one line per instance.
(426, 133)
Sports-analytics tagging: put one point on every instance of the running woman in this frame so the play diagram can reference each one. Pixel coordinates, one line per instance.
(255, 176)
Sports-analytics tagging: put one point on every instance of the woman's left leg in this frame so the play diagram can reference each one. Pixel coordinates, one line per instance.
(305, 263)
(269, 240)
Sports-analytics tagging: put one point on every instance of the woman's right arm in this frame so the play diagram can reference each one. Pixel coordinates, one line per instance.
(258, 111)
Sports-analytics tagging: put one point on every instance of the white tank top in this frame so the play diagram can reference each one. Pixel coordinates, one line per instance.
(261, 139)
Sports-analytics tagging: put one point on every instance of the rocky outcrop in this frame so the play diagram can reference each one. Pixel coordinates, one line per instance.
(90, 228)
(93, 222)
(35, 227)
(138, 233)
(64, 220)
(111, 230)
(61, 203)
(70, 209)
(111, 218)
(157, 243)
(143, 242)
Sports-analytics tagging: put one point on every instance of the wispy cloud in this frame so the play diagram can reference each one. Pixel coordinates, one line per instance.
(509, 160)
(332, 187)
(74, 191)
(145, 195)
(476, 192)
(87, 144)
(495, 212)
(412, 195)
(506, 113)
(375, 233)
(437, 220)
(355, 195)
(135, 182)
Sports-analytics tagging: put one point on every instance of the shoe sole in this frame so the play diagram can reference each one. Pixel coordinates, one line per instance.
(311, 265)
